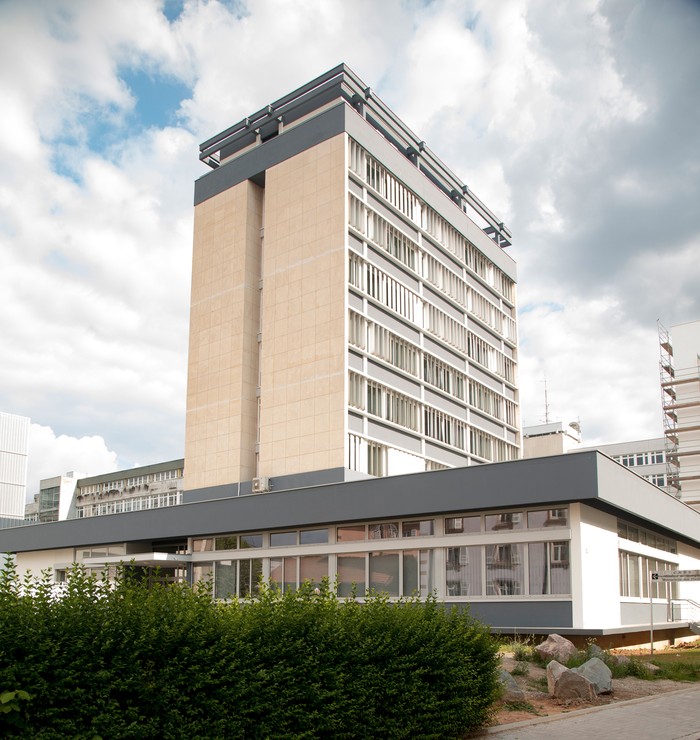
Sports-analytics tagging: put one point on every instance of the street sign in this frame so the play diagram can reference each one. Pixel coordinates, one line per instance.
(675, 575)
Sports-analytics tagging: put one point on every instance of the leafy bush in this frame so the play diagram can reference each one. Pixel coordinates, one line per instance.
(125, 659)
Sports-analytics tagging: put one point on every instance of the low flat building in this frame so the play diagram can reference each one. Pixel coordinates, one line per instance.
(555, 544)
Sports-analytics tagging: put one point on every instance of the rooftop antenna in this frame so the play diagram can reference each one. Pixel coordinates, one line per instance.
(546, 402)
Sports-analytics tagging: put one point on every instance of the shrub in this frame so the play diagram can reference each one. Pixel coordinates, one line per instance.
(125, 659)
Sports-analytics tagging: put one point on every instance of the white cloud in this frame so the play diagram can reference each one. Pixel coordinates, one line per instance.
(562, 117)
(51, 455)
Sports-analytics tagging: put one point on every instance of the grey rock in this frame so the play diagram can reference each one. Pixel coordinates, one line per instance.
(556, 647)
(651, 667)
(595, 651)
(621, 659)
(511, 690)
(597, 673)
(566, 684)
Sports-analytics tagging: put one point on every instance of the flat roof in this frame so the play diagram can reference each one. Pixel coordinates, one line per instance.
(587, 477)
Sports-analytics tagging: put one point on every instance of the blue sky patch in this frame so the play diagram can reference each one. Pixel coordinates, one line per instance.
(157, 98)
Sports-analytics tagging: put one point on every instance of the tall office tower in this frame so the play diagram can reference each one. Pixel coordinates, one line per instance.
(353, 308)
(14, 443)
(680, 385)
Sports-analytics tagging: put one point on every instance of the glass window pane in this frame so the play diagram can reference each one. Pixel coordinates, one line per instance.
(256, 571)
(203, 544)
(462, 524)
(276, 571)
(225, 581)
(227, 542)
(504, 570)
(537, 566)
(282, 539)
(411, 565)
(421, 528)
(203, 572)
(383, 530)
(351, 534)
(384, 572)
(290, 574)
(313, 568)
(464, 571)
(250, 540)
(507, 521)
(547, 518)
(351, 571)
(426, 572)
(313, 536)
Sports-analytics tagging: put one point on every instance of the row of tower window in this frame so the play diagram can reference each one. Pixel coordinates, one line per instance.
(377, 177)
(383, 234)
(391, 293)
(384, 344)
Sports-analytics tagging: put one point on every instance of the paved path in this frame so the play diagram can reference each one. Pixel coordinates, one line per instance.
(674, 715)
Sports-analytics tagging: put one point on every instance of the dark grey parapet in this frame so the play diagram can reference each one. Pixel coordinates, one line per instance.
(547, 482)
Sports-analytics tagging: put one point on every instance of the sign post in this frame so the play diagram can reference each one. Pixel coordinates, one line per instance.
(666, 576)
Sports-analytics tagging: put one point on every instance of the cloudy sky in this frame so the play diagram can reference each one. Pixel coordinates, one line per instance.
(578, 123)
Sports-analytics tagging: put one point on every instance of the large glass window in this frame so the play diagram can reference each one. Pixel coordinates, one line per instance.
(548, 518)
(504, 570)
(417, 572)
(230, 578)
(282, 539)
(351, 534)
(383, 530)
(288, 573)
(384, 572)
(351, 574)
(464, 571)
(548, 566)
(506, 521)
(313, 536)
(462, 524)
(422, 528)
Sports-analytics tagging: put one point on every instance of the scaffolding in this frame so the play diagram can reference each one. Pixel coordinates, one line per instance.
(680, 400)
(670, 417)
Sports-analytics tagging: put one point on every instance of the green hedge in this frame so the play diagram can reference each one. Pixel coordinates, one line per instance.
(125, 660)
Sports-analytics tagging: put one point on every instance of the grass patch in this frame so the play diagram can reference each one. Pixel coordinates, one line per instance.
(520, 669)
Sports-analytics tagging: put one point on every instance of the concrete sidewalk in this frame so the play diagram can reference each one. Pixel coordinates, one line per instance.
(674, 715)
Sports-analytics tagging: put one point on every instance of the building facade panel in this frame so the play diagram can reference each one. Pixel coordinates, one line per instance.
(224, 325)
(302, 373)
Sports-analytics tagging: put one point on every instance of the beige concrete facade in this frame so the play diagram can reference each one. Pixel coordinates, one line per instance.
(223, 351)
(267, 324)
(302, 404)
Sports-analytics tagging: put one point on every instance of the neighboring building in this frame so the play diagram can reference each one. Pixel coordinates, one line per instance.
(552, 438)
(56, 498)
(353, 309)
(135, 489)
(554, 544)
(680, 386)
(646, 457)
(14, 445)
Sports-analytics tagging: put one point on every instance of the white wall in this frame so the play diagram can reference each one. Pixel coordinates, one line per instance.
(595, 567)
(40, 560)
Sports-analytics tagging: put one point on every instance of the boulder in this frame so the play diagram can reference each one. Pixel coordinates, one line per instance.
(595, 651)
(621, 659)
(651, 667)
(565, 684)
(597, 673)
(556, 648)
(511, 690)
